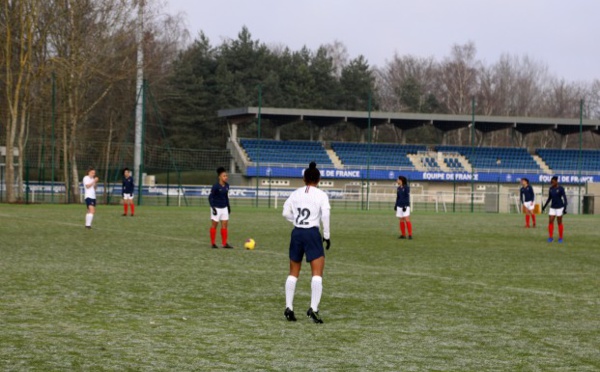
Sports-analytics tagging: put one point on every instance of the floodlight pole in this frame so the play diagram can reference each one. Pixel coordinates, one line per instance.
(369, 153)
(258, 147)
(579, 158)
(53, 139)
(472, 153)
(137, 166)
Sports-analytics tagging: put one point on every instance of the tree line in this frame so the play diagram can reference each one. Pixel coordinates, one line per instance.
(68, 73)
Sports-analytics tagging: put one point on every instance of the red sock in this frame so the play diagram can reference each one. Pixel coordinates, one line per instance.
(551, 230)
(125, 208)
(213, 235)
(561, 229)
(224, 236)
(132, 209)
(533, 218)
(527, 220)
(402, 228)
(409, 225)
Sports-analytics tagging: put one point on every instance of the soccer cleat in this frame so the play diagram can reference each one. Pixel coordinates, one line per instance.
(314, 316)
(550, 240)
(560, 240)
(124, 215)
(227, 246)
(88, 227)
(402, 237)
(410, 237)
(214, 246)
(289, 314)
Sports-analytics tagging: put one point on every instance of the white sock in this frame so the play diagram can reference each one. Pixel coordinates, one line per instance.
(316, 285)
(290, 289)
(88, 219)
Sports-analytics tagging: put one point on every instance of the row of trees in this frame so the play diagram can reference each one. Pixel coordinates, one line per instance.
(68, 75)
(68, 72)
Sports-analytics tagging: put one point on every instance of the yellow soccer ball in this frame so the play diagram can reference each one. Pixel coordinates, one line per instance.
(250, 244)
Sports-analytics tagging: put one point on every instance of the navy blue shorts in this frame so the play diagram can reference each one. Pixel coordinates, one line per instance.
(306, 241)
(90, 201)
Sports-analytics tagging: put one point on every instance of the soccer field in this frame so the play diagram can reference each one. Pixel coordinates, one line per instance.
(469, 293)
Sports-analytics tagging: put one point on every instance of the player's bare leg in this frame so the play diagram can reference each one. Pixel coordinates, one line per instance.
(290, 290)
(316, 285)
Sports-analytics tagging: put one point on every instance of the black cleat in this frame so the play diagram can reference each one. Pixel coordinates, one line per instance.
(289, 314)
(88, 227)
(214, 246)
(402, 237)
(227, 246)
(124, 215)
(410, 237)
(314, 316)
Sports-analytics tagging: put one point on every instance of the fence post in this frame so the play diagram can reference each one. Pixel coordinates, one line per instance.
(27, 182)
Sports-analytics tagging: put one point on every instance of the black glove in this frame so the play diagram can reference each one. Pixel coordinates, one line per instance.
(565, 210)
(327, 243)
(214, 210)
(228, 209)
(395, 207)
(403, 209)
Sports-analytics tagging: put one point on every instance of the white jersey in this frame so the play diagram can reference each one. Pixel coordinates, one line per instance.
(307, 207)
(90, 192)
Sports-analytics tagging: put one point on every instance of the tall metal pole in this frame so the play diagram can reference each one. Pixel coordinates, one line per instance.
(472, 154)
(369, 138)
(139, 104)
(258, 145)
(53, 122)
(579, 158)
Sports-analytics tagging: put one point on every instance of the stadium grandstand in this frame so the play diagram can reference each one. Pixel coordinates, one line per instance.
(476, 177)
(274, 157)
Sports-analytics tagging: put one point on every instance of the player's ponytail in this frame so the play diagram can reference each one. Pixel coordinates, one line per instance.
(312, 175)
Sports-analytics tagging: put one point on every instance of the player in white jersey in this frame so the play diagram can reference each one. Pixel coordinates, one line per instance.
(306, 208)
(89, 186)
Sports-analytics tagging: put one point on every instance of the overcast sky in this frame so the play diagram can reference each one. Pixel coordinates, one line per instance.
(563, 34)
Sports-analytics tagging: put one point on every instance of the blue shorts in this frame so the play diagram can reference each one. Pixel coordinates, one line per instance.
(90, 201)
(306, 241)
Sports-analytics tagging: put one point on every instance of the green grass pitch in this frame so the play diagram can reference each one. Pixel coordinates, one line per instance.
(471, 292)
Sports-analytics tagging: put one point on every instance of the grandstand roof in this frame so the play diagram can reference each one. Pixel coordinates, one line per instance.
(404, 120)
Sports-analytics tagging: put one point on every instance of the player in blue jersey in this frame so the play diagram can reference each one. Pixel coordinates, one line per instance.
(558, 208)
(402, 207)
(527, 198)
(307, 207)
(128, 189)
(220, 209)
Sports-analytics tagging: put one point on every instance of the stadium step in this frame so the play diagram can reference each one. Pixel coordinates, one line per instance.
(465, 163)
(337, 163)
(415, 159)
(545, 168)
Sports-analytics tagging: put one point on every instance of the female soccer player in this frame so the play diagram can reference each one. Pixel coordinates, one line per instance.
(557, 195)
(306, 208)
(128, 188)
(527, 199)
(89, 183)
(402, 207)
(219, 205)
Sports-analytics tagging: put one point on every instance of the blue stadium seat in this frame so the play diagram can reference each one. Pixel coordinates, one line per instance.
(387, 155)
(495, 158)
(568, 160)
(292, 152)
